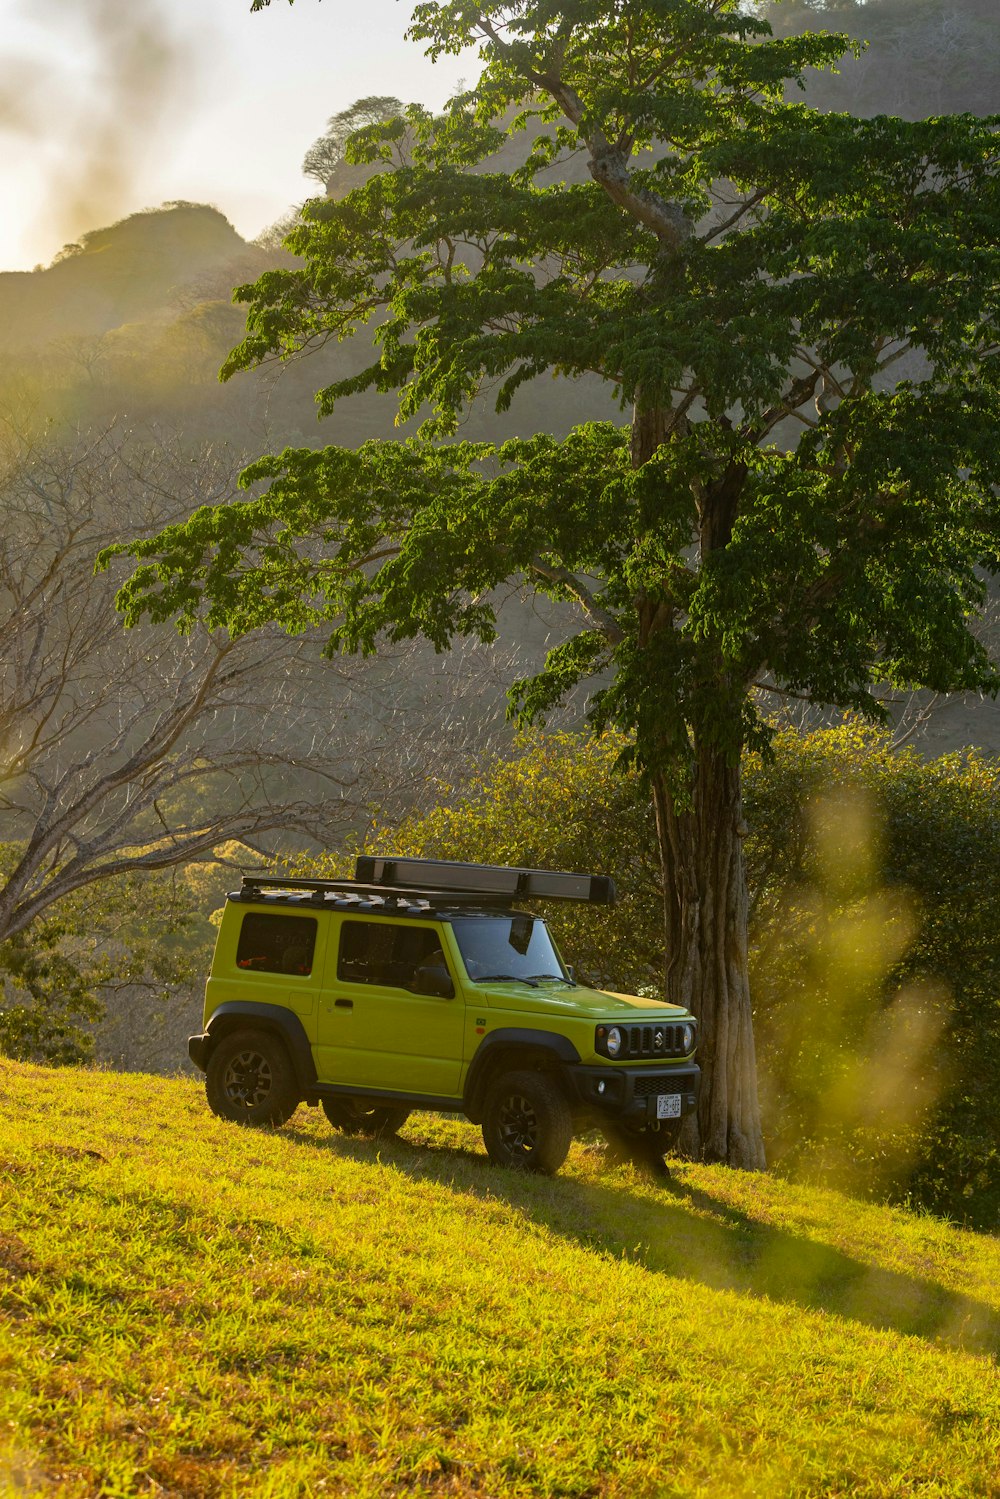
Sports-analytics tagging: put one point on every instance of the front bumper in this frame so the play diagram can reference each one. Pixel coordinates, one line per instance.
(199, 1050)
(629, 1094)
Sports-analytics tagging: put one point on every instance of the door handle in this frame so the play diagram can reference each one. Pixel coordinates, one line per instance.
(344, 1004)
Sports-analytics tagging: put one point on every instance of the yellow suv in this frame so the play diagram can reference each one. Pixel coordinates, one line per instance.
(419, 984)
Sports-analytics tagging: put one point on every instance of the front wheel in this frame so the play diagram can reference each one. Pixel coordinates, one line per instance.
(642, 1148)
(250, 1079)
(527, 1123)
(355, 1116)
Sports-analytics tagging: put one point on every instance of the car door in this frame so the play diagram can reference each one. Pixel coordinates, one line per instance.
(375, 1029)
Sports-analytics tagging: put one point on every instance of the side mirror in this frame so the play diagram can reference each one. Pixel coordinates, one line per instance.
(434, 980)
(571, 971)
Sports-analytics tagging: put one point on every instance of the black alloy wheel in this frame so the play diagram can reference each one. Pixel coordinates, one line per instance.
(527, 1122)
(250, 1079)
(248, 1082)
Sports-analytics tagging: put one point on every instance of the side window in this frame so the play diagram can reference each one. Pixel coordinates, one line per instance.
(276, 944)
(379, 952)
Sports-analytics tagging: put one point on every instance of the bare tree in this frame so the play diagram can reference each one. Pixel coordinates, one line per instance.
(272, 237)
(326, 154)
(124, 751)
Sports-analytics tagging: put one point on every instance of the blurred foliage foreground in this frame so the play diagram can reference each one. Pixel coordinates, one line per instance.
(875, 943)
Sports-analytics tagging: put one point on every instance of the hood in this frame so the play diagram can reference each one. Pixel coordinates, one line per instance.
(554, 997)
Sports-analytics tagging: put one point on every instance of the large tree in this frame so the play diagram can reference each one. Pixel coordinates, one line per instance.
(747, 276)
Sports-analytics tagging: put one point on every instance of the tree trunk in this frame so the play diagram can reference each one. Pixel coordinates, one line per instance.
(704, 879)
(705, 910)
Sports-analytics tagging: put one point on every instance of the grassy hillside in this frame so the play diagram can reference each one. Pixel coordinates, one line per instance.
(188, 1309)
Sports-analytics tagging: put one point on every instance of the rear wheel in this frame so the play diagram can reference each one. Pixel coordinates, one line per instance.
(250, 1079)
(356, 1116)
(527, 1122)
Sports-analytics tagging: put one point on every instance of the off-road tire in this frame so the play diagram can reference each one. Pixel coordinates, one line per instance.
(250, 1079)
(527, 1123)
(356, 1116)
(641, 1148)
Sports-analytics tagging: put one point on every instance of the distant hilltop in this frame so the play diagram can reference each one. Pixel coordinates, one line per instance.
(127, 272)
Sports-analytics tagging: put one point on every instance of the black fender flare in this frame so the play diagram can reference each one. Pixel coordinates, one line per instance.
(269, 1018)
(537, 1048)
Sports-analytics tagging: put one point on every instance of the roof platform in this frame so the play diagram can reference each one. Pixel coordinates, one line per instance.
(418, 885)
(495, 881)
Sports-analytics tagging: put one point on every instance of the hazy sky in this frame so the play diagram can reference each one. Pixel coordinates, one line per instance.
(109, 106)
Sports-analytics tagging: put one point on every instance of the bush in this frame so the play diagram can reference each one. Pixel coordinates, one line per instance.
(560, 803)
(876, 942)
(875, 945)
(123, 936)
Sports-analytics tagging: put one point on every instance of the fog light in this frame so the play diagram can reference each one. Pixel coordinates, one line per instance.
(600, 1086)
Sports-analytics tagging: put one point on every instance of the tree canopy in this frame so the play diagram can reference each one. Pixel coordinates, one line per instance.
(749, 276)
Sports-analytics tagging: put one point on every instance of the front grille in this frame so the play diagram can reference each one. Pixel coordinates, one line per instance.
(652, 1041)
(648, 1087)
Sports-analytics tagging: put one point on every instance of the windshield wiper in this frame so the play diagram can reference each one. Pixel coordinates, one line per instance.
(507, 978)
(558, 977)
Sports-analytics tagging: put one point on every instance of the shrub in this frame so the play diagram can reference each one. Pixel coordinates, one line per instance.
(100, 947)
(910, 848)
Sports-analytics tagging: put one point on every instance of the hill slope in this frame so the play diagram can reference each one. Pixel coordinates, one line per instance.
(121, 273)
(193, 1310)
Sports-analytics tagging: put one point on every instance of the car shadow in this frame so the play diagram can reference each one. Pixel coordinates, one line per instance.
(676, 1229)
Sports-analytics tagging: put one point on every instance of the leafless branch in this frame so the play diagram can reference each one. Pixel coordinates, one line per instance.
(130, 751)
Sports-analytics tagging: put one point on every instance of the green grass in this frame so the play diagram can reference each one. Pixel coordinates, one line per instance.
(191, 1309)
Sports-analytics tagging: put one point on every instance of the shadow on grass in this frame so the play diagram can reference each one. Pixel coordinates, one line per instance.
(680, 1230)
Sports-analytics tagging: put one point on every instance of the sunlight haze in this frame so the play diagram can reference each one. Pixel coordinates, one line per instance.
(106, 109)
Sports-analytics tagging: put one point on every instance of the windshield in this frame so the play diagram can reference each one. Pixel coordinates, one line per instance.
(516, 947)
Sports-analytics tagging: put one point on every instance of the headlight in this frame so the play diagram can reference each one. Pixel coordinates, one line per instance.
(688, 1037)
(608, 1040)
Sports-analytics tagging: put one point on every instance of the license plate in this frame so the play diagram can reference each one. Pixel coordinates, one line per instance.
(668, 1106)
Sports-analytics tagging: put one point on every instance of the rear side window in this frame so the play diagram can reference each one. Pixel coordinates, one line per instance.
(276, 944)
(378, 952)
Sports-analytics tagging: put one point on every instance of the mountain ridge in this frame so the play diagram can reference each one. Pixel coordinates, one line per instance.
(119, 273)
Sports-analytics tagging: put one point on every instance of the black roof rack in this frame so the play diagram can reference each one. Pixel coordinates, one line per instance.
(498, 881)
(253, 886)
(399, 884)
